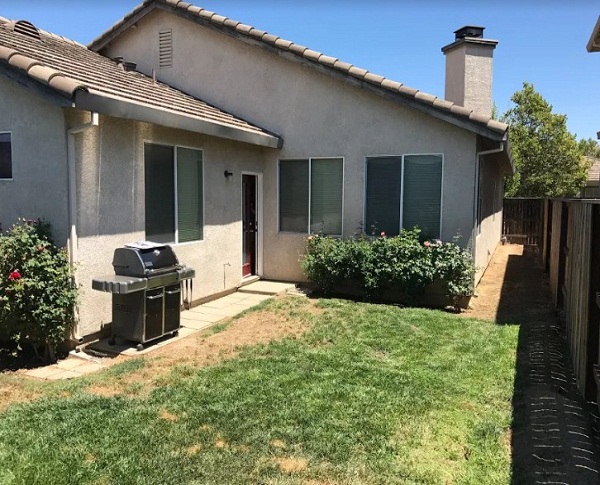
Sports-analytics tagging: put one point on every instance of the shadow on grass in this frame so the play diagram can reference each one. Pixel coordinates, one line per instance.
(552, 431)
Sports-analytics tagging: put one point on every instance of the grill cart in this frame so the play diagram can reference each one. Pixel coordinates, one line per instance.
(146, 292)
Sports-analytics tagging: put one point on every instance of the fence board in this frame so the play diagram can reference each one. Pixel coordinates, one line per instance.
(577, 290)
(555, 249)
(523, 220)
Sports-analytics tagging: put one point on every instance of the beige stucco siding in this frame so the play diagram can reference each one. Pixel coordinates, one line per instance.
(317, 116)
(39, 160)
(111, 213)
(492, 193)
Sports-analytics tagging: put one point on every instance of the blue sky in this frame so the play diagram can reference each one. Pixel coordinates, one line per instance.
(541, 42)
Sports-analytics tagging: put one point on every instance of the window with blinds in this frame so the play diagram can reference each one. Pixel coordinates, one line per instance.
(173, 194)
(404, 192)
(5, 156)
(384, 182)
(311, 195)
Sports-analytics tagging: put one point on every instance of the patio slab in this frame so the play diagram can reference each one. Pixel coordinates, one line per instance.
(264, 287)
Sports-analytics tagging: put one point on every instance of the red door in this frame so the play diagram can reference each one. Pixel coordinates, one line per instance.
(249, 225)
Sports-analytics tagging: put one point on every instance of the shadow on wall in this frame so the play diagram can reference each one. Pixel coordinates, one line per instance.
(552, 431)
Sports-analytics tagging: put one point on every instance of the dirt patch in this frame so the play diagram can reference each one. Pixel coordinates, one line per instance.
(491, 301)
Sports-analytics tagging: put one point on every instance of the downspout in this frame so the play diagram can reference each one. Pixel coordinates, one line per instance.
(72, 184)
(475, 195)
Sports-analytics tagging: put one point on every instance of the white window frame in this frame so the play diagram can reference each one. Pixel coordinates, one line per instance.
(175, 188)
(401, 202)
(12, 165)
(309, 159)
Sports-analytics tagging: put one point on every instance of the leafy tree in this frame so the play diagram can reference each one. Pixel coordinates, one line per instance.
(547, 157)
(589, 147)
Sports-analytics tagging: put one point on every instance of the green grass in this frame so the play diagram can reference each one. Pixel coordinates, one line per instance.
(371, 394)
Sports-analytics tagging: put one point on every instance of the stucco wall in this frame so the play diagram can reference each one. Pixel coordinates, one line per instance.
(39, 160)
(469, 73)
(492, 191)
(110, 199)
(316, 115)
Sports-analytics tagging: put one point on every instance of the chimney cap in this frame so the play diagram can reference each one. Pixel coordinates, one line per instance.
(469, 31)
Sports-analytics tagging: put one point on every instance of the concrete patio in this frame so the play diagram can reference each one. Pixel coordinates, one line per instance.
(198, 318)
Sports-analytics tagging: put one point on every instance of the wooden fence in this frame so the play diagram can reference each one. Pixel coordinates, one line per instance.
(571, 254)
(567, 233)
(522, 220)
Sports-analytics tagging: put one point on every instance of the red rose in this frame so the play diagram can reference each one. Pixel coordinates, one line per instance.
(14, 275)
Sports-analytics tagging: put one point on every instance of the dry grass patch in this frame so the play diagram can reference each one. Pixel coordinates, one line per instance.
(291, 465)
(167, 416)
(16, 392)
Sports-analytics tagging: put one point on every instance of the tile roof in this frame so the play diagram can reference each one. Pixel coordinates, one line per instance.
(66, 67)
(594, 170)
(413, 96)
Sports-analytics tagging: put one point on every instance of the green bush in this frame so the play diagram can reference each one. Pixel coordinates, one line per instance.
(402, 263)
(37, 294)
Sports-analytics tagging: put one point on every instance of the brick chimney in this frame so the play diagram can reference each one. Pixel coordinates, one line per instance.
(469, 69)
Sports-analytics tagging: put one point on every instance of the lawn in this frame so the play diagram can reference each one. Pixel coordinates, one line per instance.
(368, 394)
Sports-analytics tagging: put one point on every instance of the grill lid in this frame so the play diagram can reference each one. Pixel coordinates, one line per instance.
(144, 259)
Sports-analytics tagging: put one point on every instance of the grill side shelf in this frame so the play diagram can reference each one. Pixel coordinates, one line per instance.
(119, 285)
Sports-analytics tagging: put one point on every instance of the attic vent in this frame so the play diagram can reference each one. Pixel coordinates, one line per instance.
(165, 48)
(27, 28)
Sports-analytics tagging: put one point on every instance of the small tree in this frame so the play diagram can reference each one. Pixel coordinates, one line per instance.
(589, 147)
(547, 158)
(37, 295)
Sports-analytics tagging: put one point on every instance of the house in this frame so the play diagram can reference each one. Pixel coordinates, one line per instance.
(592, 184)
(182, 126)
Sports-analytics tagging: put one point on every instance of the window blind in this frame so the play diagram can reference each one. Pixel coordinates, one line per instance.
(159, 182)
(293, 196)
(327, 180)
(422, 197)
(189, 195)
(384, 183)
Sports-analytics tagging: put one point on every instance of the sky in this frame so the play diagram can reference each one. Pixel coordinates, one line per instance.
(540, 41)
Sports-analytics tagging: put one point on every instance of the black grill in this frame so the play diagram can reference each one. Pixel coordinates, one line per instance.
(146, 292)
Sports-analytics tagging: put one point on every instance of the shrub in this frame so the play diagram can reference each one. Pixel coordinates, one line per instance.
(402, 263)
(37, 294)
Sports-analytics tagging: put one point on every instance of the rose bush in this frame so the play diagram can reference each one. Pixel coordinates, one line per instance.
(37, 294)
(403, 263)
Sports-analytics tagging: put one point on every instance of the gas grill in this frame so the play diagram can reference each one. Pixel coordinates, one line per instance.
(146, 292)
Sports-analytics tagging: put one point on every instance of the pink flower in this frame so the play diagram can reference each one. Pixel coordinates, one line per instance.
(309, 238)
(14, 275)
(426, 244)
(382, 233)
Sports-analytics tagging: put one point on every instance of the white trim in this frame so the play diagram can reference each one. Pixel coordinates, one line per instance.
(260, 220)
(309, 160)
(12, 166)
(176, 242)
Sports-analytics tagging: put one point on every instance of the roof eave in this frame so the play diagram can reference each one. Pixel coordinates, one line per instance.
(132, 18)
(119, 108)
(593, 44)
(37, 87)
